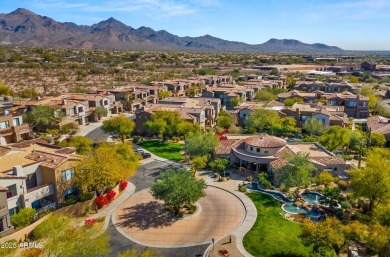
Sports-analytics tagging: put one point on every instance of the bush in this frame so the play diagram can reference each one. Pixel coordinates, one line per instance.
(123, 184)
(23, 218)
(85, 196)
(136, 139)
(110, 195)
(249, 178)
(242, 189)
(101, 219)
(71, 200)
(100, 201)
(49, 139)
(89, 222)
(343, 185)
(346, 205)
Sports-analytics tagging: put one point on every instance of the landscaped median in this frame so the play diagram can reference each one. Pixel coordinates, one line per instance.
(167, 150)
(272, 234)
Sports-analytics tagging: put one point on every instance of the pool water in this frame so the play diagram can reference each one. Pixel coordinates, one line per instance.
(288, 206)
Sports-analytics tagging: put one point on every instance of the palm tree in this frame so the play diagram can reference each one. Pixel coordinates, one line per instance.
(333, 193)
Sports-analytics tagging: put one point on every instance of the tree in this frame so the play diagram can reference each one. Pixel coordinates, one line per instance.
(218, 164)
(333, 193)
(291, 101)
(264, 95)
(224, 120)
(5, 90)
(63, 239)
(167, 124)
(120, 126)
(373, 181)
(235, 101)
(162, 94)
(354, 79)
(28, 93)
(108, 164)
(70, 128)
(193, 91)
(313, 127)
(325, 178)
(134, 253)
(269, 121)
(356, 139)
(199, 162)
(274, 72)
(178, 188)
(82, 144)
(200, 144)
(329, 237)
(41, 117)
(335, 137)
(24, 217)
(100, 112)
(377, 140)
(297, 171)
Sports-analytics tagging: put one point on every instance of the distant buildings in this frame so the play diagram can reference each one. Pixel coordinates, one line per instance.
(12, 128)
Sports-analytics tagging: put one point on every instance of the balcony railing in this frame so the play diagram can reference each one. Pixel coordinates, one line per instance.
(51, 206)
(38, 192)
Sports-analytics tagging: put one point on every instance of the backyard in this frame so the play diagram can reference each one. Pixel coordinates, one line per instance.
(273, 235)
(167, 150)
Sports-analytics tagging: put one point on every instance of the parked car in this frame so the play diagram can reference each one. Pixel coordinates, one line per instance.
(143, 153)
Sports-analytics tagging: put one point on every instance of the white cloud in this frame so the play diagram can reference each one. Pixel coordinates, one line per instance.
(153, 8)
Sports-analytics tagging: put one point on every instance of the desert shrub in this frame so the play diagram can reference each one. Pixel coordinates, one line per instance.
(242, 189)
(136, 139)
(101, 219)
(71, 200)
(343, 185)
(23, 218)
(49, 139)
(85, 196)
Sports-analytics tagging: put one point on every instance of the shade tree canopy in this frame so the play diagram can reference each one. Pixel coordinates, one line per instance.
(120, 126)
(335, 137)
(200, 144)
(108, 164)
(269, 121)
(178, 188)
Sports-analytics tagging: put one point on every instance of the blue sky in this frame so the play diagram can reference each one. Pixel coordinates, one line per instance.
(349, 24)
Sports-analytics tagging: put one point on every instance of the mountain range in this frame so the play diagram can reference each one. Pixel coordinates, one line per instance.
(23, 27)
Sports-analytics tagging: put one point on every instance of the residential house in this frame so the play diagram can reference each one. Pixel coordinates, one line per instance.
(203, 111)
(381, 125)
(354, 105)
(305, 96)
(12, 128)
(264, 153)
(327, 115)
(369, 66)
(37, 175)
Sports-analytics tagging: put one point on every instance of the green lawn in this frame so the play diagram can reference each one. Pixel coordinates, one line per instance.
(167, 150)
(273, 235)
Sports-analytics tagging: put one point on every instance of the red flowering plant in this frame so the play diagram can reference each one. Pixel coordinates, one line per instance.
(110, 195)
(89, 222)
(100, 201)
(122, 184)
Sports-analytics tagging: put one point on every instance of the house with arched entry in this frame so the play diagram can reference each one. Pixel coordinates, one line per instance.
(264, 153)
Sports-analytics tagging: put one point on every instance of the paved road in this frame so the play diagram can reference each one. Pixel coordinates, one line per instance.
(144, 177)
(97, 135)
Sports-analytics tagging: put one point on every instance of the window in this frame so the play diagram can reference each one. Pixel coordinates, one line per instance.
(11, 192)
(266, 151)
(16, 122)
(67, 175)
(81, 109)
(251, 148)
(70, 192)
(258, 150)
(4, 124)
(352, 104)
(335, 169)
(13, 211)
